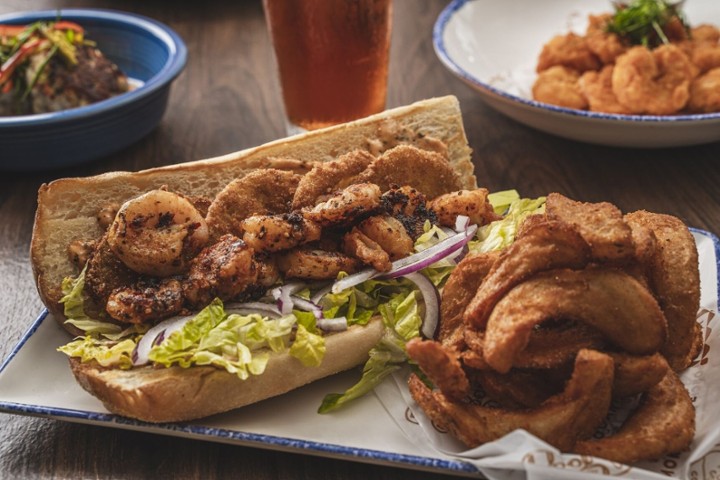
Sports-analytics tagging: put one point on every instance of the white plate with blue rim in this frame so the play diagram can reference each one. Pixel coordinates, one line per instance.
(493, 46)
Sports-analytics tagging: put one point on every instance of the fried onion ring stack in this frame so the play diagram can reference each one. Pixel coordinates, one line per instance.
(587, 306)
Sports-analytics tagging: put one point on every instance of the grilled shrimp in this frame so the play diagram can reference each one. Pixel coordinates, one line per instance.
(409, 207)
(224, 269)
(358, 245)
(105, 273)
(146, 300)
(471, 203)
(158, 233)
(272, 233)
(377, 241)
(346, 206)
(315, 264)
(389, 233)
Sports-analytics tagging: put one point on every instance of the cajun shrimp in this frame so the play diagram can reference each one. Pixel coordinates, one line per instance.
(358, 245)
(224, 270)
(409, 207)
(272, 233)
(389, 233)
(158, 233)
(377, 241)
(146, 300)
(344, 207)
(653, 82)
(471, 203)
(313, 264)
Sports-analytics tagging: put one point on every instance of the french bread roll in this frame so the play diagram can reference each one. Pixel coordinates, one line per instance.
(67, 211)
(175, 394)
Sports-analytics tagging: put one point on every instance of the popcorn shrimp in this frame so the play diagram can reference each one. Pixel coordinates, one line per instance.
(597, 88)
(558, 85)
(653, 82)
(570, 51)
(705, 93)
(606, 45)
(158, 233)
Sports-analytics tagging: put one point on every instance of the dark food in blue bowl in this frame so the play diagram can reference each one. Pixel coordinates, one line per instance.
(52, 66)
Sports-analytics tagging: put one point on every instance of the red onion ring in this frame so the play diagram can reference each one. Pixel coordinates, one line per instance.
(431, 299)
(163, 329)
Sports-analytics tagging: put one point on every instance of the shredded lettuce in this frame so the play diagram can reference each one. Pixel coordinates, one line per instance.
(402, 322)
(107, 353)
(73, 301)
(238, 343)
(502, 200)
(356, 304)
(308, 347)
(501, 233)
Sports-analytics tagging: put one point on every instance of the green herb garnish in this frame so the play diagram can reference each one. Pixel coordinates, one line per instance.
(641, 22)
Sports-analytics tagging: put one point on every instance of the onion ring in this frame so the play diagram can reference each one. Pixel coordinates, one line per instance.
(609, 300)
(560, 420)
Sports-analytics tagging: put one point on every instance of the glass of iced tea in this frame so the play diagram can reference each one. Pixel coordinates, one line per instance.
(333, 58)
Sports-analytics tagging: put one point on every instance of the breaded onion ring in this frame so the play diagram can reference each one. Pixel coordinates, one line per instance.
(609, 300)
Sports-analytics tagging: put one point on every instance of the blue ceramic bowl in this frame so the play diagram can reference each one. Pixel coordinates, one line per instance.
(151, 55)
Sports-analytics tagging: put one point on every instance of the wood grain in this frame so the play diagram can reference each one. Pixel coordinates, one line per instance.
(228, 99)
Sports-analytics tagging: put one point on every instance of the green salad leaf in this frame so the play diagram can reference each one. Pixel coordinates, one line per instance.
(402, 322)
(106, 352)
(501, 233)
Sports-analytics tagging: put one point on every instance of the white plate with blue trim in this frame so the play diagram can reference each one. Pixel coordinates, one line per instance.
(363, 431)
(493, 46)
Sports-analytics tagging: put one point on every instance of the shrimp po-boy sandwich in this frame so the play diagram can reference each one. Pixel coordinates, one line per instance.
(198, 288)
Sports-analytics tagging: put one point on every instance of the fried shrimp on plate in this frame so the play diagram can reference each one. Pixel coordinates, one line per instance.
(655, 83)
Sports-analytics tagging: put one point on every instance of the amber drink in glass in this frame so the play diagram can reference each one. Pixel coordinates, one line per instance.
(332, 57)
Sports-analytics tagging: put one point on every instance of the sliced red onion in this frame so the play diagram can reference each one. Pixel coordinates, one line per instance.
(317, 298)
(423, 259)
(354, 279)
(338, 324)
(431, 298)
(307, 306)
(462, 222)
(160, 331)
(411, 263)
(247, 308)
(283, 293)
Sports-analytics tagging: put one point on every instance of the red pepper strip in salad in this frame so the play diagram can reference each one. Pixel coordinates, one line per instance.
(7, 68)
(11, 30)
(66, 25)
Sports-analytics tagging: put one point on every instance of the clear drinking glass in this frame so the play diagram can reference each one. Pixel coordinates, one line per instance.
(332, 57)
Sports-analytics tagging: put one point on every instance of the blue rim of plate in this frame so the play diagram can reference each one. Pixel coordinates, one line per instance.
(441, 51)
(177, 58)
(254, 439)
(199, 432)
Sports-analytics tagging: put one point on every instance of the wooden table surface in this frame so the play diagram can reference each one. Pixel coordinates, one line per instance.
(228, 99)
